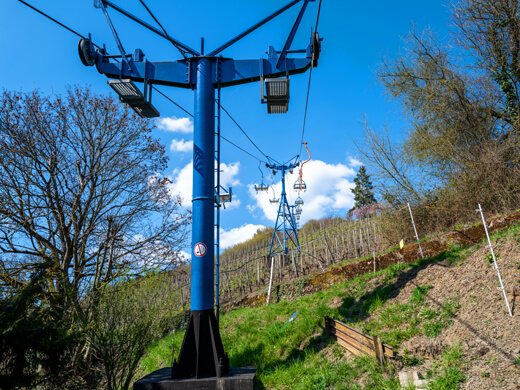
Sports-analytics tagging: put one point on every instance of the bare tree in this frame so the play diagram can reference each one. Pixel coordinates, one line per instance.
(82, 197)
(490, 29)
(392, 170)
(464, 115)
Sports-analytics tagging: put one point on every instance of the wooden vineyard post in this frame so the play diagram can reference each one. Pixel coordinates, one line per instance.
(361, 241)
(293, 261)
(258, 271)
(378, 347)
(354, 242)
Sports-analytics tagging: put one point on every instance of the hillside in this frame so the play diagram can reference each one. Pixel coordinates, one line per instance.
(443, 314)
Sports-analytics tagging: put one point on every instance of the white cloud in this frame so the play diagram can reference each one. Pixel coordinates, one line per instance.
(237, 235)
(229, 173)
(354, 162)
(182, 182)
(175, 125)
(328, 191)
(181, 146)
(234, 204)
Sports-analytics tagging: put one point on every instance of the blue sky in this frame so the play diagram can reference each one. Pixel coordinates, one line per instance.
(358, 36)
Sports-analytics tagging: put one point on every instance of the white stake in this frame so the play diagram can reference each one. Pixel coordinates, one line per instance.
(415, 230)
(495, 260)
(270, 281)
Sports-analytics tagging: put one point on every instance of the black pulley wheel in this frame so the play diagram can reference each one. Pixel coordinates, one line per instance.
(86, 53)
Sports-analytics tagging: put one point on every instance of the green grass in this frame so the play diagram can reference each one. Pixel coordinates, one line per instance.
(447, 373)
(516, 361)
(298, 354)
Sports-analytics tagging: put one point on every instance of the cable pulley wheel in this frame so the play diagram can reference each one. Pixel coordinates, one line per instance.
(316, 48)
(86, 52)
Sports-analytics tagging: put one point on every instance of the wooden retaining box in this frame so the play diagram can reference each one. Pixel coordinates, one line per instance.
(358, 343)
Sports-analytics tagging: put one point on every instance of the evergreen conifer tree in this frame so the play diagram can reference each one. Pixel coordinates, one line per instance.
(363, 191)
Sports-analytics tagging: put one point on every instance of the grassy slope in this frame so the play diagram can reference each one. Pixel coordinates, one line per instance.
(298, 355)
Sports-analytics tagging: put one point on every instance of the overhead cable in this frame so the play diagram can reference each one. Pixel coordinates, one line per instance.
(242, 149)
(183, 53)
(244, 132)
(172, 101)
(309, 83)
(56, 21)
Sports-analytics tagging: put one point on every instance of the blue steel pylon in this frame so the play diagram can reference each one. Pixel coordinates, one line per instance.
(285, 228)
(202, 353)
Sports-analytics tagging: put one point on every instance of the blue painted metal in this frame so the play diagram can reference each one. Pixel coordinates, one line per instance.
(100, 4)
(285, 228)
(292, 34)
(183, 73)
(217, 209)
(203, 187)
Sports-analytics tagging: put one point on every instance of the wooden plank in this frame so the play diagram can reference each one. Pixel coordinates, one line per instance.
(353, 342)
(357, 340)
(388, 350)
(367, 340)
(347, 328)
(350, 348)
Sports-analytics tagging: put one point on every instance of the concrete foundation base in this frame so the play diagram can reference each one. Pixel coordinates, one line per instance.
(238, 379)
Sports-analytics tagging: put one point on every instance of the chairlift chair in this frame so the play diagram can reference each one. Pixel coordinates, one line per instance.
(261, 187)
(274, 199)
(300, 185)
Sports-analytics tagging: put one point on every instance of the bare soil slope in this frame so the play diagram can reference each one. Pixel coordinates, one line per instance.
(488, 336)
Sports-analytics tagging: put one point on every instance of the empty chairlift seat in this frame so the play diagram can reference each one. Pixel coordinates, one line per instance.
(131, 95)
(261, 187)
(300, 185)
(274, 199)
(277, 95)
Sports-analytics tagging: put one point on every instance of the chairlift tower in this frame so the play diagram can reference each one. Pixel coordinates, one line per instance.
(202, 354)
(286, 227)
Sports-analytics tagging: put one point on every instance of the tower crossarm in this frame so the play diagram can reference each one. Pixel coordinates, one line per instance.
(183, 73)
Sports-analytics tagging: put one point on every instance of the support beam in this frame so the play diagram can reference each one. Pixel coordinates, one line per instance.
(202, 354)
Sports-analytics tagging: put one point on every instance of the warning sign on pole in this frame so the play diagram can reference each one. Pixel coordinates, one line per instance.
(200, 249)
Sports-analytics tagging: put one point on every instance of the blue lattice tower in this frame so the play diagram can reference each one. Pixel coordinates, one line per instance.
(285, 228)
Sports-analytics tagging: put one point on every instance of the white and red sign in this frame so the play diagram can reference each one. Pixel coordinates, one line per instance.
(200, 249)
